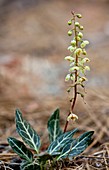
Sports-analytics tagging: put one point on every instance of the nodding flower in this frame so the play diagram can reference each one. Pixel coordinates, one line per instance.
(72, 116)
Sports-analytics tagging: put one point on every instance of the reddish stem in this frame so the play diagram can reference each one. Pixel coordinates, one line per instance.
(75, 87)
(72, 107)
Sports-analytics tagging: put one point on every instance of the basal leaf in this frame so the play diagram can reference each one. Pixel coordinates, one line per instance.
(20, 149)
(27, 133)
(60, 142)
(25, 165)
(77, 146)
(54, 126)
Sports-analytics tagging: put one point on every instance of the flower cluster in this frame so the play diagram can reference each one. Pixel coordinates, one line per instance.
(78, 56)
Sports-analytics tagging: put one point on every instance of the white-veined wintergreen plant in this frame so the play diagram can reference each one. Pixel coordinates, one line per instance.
(62, 144)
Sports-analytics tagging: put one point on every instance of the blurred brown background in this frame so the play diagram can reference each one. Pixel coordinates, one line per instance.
(33, 44)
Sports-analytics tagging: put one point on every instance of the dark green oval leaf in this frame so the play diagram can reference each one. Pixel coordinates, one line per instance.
(54, 126)
(60, 142)
(20, 149)
(27, 133)
(77, 146)
(25, 165)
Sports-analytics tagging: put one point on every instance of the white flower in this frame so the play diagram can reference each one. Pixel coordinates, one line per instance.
(82, 79)
(72, 77)
(73, 43)
(84, 43)
(72, 49)
(87, 68)
(72, 64)
(74, 68)
(67, 78)
(85, 60)
(72, 116)
(69, 58)
(78, 51)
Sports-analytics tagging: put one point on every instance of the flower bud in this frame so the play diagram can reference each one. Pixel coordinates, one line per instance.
(80, 34)
(84, 52)
(79, 15)
(77, 24)
(69, 58)
(67, 78)
(70, 32)
(82, 95)
(68, 90)
(78, 38)
(81, 27)
(70, 22)
(73, 43)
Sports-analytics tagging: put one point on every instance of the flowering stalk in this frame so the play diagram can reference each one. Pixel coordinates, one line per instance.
(78, 67)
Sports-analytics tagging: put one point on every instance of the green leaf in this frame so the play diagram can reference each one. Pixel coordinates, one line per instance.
(27, 133)
(54, 126)
(25, 165)
(62, 140)
(20, 149)
(77, 146)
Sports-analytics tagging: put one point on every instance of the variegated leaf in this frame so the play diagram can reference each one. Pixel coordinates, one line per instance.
(20, 149)
(27, 133)
(60, 142)
(77, 146)
(54, 126)
(25, 165)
